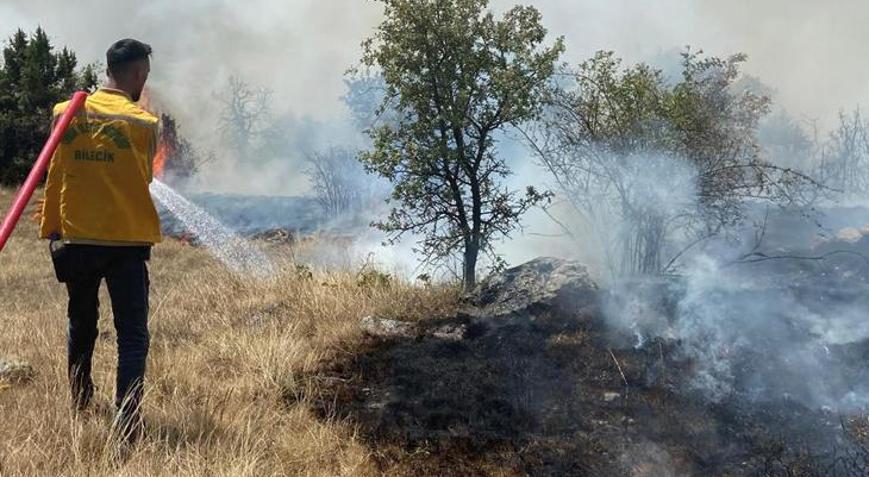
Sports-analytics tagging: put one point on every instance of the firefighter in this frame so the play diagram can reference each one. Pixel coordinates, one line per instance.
(101, 221)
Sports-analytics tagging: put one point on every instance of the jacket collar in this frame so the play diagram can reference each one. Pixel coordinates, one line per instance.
(115, 91)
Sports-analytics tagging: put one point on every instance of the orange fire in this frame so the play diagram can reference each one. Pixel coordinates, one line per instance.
(160, 158)
(164, 143)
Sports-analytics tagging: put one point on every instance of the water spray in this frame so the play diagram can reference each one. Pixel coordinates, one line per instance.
(228, 247)
(38, 171)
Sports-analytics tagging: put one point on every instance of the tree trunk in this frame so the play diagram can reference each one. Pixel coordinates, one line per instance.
(469, 277)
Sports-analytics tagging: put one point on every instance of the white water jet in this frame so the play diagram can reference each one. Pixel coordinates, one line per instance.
(236, 253)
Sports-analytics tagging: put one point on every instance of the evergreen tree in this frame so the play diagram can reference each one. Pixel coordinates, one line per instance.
(33, 78)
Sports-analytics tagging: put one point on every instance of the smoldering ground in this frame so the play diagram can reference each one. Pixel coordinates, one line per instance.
(769, 310)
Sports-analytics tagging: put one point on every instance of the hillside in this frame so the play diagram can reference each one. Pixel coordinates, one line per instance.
(225, 353)
(337, 372)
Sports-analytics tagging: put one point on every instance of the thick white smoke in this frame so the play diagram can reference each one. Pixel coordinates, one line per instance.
(807, 51)
(751, 327)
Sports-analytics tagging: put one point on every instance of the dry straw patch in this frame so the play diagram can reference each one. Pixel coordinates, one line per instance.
(226, 351)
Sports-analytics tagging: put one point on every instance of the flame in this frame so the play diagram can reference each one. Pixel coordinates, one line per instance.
(164, 143)
(160, 158)
(166, 147)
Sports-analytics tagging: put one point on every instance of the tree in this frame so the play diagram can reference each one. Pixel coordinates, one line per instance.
(338, 182)
(456, 76)
(786, 142)
(365, 98)
(845, 157)
(33, 78)
(177, 159)
(245, 116)
(644, 159)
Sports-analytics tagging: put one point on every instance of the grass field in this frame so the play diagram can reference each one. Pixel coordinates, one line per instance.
(225, 351)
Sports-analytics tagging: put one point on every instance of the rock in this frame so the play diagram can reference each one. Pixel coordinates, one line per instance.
(611, 396)
(449, 332)
(276, 236)
(543, 283)
(384, 328)
(16, 372)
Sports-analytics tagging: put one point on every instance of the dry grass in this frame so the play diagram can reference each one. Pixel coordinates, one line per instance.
(225, 352)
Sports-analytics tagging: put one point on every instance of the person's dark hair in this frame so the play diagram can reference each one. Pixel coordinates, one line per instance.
(123, 52)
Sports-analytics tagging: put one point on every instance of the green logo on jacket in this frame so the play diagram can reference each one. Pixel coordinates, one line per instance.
(107, 130)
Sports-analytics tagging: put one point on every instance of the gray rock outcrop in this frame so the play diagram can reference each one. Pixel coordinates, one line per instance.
(541, 284)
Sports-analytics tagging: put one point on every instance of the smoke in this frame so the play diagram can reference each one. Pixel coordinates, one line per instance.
(300, 49)
(763, 330)
(806, 51)
(747, 336)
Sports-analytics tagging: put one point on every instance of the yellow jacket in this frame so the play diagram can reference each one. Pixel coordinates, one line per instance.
(97, 187)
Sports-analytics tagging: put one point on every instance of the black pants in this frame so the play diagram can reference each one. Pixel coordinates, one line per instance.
(82, 268)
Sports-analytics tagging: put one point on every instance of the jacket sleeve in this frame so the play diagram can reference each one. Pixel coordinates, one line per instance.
(50, 223)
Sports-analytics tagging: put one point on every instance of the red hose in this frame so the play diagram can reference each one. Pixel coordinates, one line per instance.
(26, 191)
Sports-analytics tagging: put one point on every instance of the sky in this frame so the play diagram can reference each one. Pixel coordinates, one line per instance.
(812, 53)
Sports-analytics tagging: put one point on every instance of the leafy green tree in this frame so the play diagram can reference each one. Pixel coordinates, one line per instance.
(455, 75)
(33, 77)
(645, 160)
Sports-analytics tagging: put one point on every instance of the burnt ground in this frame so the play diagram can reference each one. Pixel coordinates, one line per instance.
(549, 390)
